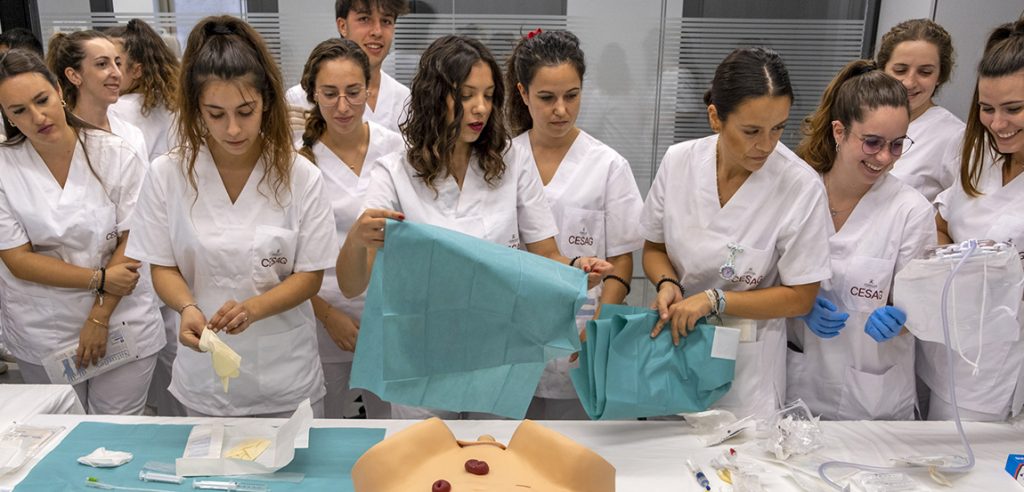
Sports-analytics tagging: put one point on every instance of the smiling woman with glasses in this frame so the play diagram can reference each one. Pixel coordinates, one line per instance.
(873, 144)
(340, 142)
(850, 358)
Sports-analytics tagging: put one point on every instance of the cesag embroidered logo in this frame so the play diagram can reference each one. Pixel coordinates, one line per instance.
(275, 258)
(750, 277)
(583, 238)
(869, 290)
(112, 234)
(513, 242)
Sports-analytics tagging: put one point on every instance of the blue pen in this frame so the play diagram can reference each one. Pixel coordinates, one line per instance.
(702, 479)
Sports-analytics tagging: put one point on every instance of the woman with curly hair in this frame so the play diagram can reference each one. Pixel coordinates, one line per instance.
(455, 172)
(149, 84)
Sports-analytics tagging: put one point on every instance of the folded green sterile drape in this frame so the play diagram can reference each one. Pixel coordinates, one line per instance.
(625, 374)
(456, 323)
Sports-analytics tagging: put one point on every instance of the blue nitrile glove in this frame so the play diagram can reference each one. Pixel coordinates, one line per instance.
(885, 323)
(825, 320)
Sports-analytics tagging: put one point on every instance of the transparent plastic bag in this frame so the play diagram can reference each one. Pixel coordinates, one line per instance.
(791, 431)
(20, 443)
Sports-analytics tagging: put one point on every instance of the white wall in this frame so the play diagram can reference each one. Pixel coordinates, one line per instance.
(969, 23)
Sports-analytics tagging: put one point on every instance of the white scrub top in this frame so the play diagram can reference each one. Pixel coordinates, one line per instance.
(238, 250)
(997, 214)
(345, 190)
(596, 203)
(157, 126)
(131, 134)
(390, 109)
(78, 224)
(780, 218)
(933, 162)
(851, 376)
(511, 212)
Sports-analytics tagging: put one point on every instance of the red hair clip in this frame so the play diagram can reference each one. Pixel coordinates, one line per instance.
(531, 34)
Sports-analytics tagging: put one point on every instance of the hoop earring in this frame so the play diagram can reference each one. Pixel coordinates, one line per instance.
(837, 147)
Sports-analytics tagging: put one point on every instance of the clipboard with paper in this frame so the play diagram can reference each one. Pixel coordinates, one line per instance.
(457, 323)
(624, 374)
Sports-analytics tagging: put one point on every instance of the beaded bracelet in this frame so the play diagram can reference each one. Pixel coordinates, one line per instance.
(620, 280)
(657, 287)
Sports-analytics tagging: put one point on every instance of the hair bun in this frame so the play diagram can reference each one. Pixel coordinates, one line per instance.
(219, 28)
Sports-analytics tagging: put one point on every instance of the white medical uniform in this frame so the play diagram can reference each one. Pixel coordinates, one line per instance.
(933, 162)
(998, 389)
(131, 134)
(513, 211)
(345, 191)
(780, 218)
(157, 127)
(391, 100)
(238, 250)
(851, 376)
(596, 202)
(78, 224)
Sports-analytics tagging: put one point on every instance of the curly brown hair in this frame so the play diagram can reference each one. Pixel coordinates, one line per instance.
(331, 49)
(443, 70)
(227, 48)
(158, 83)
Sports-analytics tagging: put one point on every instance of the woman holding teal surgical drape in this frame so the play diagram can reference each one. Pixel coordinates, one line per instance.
(456, 175)
(735, 224)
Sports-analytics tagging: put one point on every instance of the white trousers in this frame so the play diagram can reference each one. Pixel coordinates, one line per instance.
(121, 391)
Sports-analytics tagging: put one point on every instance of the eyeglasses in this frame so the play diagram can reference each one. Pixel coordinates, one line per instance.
(354, 97)
(873, 144)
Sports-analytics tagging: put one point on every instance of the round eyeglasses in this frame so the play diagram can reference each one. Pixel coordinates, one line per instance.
(873, 144)
(355, 97)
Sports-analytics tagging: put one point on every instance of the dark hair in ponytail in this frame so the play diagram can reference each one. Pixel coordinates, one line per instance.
(859, 87)
(1004, 55)
(226, 48)
(543, 49)
(745, 74)
(331, 49)
(65, 51)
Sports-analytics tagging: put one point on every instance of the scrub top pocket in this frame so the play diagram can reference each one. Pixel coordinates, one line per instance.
(887, 396)
(866, 283)
(581, 232)
(273, 255)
